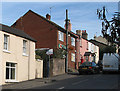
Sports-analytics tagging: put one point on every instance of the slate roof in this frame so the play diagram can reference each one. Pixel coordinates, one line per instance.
(16, 32)
(92, 41)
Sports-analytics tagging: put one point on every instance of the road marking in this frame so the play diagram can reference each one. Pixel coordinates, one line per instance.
(80, 82)
(61, 87)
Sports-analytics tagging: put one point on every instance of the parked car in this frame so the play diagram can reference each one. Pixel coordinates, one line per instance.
(88, 67)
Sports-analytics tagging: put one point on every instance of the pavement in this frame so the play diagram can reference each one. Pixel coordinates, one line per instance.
(38, 82)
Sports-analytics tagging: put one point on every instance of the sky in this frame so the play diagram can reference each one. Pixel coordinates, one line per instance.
(81, 14)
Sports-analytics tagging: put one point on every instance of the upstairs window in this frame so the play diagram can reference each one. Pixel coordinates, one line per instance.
(6, 42)
(87, 46)
(80, 42)
(61, 36)
(72, 41)
(24, 47)
(72, 57)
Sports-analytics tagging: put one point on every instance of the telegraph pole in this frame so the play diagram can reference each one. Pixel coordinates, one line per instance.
(66, 61)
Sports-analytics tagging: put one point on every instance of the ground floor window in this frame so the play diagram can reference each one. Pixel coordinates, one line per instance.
(87, 58)
(73, 57)
(10, 71)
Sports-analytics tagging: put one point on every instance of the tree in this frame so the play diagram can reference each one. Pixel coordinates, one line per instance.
(110, 29)
(58, 53)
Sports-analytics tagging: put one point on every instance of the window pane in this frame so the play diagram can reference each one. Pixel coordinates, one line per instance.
(7, 73)
(5, 46)
(12, 73)
(6, 42)
(73, 57)
(61, 35)
(12, 65)
(72, 41)
(5, 38)
(7, 64)
(24, 46)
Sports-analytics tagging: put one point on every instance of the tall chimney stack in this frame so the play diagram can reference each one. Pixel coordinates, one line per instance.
(84, 34)
(79, 32)
(48, 16)
(69, 26)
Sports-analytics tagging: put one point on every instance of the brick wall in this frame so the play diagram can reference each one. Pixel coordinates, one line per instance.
(57, 66)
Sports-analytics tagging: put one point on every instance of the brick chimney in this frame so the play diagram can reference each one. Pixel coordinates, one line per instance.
(79, 32)
(48, 16)
(69, 26)
(84, 34)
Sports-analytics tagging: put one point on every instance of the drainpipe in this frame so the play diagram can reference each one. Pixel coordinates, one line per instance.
(29, 61)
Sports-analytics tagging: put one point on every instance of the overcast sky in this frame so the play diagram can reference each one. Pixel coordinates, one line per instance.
(82, 14)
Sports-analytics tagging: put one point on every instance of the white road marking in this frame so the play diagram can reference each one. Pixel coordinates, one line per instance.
(80, 82)
(61, 87)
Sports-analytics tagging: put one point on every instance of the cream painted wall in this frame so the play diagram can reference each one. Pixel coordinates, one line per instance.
(15, 55)
(0, 58)
(94, 49)
(39, 69)
(97, 54)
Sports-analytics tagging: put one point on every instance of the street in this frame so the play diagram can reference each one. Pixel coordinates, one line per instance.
(94, 81)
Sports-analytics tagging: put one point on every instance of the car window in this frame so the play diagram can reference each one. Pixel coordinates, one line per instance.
(93, 64)
(86, 64)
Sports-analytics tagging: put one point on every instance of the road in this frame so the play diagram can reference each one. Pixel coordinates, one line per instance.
(94, 81)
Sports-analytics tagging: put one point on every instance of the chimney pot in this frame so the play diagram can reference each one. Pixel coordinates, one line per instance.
(48, 16)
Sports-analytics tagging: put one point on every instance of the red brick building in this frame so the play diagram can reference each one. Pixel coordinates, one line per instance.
(49, 35)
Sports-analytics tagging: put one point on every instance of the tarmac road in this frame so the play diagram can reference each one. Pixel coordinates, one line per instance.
(95, 81)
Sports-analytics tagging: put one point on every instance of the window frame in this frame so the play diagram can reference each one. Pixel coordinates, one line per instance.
(61, 36)
(72, 41)
(73, 57)
(80, 42)
(6, 42)
(10, 68)
(87, 46)
(25, 47)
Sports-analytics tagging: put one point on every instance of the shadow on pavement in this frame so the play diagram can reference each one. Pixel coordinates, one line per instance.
(73, 73)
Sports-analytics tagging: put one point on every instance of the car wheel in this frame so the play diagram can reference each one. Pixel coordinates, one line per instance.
(98, 71)
(103, 72)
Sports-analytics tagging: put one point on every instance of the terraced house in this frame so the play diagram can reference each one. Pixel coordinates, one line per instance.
(17, 55)
(49, 35)
(88, 50)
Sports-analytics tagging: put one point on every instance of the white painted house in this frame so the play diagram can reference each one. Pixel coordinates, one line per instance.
(17, 55)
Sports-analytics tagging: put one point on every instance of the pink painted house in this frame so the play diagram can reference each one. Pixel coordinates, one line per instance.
(83, 50)
(84, 53)
(88, 51)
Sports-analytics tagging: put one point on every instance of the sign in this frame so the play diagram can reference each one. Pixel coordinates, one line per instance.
(62, 46)
(49, 52)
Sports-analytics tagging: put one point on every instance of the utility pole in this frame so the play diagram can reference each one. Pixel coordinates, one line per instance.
(66, 61)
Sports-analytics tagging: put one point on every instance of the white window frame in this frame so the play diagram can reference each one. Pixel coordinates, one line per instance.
(61, 35)
(24, 47)
(6, 42)
(73, 57)
(10, 69)
(72, 41)
(80, 42)
(87, 46)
